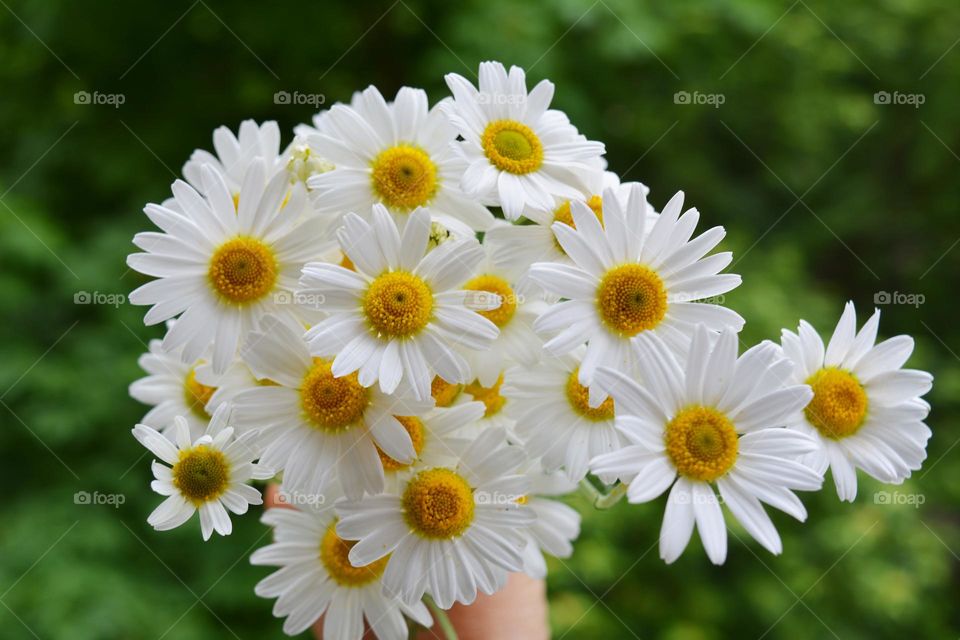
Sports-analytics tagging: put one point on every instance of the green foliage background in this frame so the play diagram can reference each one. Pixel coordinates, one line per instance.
(827, 196)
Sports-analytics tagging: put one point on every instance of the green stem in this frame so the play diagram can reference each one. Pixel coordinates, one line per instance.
(442, 619)
(589, 491)
(599, 499)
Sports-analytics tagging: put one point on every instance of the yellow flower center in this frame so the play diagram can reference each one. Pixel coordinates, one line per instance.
(578, 396)
(702, 443)
(334, 554)
(197, 395)
(839, 404)
(243, 270)
(443, 392)
(332, 404)
(347, 263)
(489, 396)
(404, 177)
(398, 304)
(512, 146)
(508, 299)
(201, 474)
(416, 432)
(564, 215)
(631, 298)
(438, 503)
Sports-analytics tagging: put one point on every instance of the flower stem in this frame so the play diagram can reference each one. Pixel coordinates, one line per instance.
(442, 619)
(599, 499)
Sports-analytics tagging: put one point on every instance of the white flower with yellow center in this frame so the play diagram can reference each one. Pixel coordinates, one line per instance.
(235, 154)
(719, 420)
(520, 153)
(554, 419)
(397, 154)
(317, 427)
(396, 316)
(631, 278)
(173, 388)
(209, 474)
(316, 579)
(557, 525)
(220, 268)
(451, 530)
(866, 412)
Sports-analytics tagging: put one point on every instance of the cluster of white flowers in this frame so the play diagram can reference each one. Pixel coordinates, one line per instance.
(425, 377)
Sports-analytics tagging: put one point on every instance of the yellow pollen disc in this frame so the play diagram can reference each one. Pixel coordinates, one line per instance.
(631, 298)
(702, 443)
(416, 432)
(563, 214)
(578, 396)
(332, 404)
(489, 396)
(201, 474)
(398, 304)
(494, 284)
(404, 177)
(839, 403)
(243, 270)
(438, 503)
(197, 395)
(334, 554)
(512, 146)
(347, 263)
(443, 392)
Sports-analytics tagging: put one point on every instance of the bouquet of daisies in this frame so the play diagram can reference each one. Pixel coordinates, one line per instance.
(427, 324)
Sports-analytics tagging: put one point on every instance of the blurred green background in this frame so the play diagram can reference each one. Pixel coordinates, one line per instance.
(828, 194)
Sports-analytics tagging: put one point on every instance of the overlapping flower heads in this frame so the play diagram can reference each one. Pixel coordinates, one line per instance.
(428, 324)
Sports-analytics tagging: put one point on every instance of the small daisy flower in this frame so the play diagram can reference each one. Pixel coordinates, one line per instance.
(631, 279)
(392, 318)
(173, 388)
(235, 154)
(554, 419)
(397, 154)
(495, 415)
(717, 421)
(520, 153)
(315, 424)
(209, 474)
(451, 530)
(866, 412)
(317, 579)
(557, 524)
(220, 268)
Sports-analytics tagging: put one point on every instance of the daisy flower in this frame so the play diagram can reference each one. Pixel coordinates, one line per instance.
(235, 154)
(397, 154)
(866, 412)
(630, 278)
(554, 419)
(317, 579)
(717, 421)
(557, 525)
(392, 318)
(173, 388)
(220, 268)
(451, 530)
(209, 474)
(314, 423)
(519, 153)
